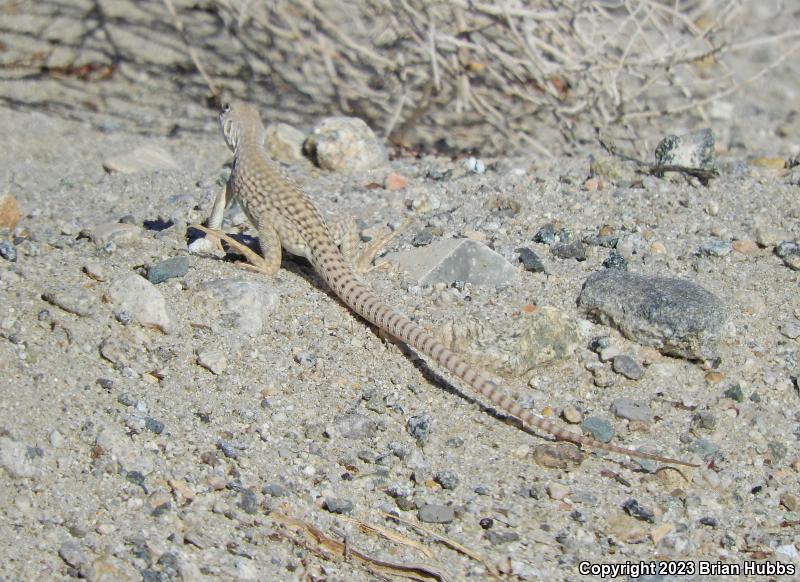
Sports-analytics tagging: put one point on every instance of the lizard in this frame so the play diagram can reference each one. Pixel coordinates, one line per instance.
(286, 218)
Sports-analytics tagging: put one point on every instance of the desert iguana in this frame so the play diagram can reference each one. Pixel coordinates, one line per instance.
(285, 216)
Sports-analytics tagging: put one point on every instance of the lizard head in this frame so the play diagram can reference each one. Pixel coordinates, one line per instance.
(236, 119)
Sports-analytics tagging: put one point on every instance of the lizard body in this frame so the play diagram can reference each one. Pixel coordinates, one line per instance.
(285, 217)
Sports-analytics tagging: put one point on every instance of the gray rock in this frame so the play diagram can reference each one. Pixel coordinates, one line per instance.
(338, 505)
(447, 479)
(344, 144)
(168, 269)
(419, 427)
(8, 251)
(789, 251)
(715, 247)
(678, 317)
(530, 260)
(436, 513)
(73, 555)
(574, 250)
(632, 410)
(599, 428)
(147, 158)
(690, 150)
(140, 298)
(354, 426)
(628, 367)
(452, 260)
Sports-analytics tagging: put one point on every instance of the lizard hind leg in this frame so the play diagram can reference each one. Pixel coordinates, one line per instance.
(268, 264)
(345, 234)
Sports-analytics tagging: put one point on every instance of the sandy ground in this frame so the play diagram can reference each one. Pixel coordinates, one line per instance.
(124, 458)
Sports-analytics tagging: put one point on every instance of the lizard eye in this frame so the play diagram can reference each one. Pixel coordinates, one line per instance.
(226, 107)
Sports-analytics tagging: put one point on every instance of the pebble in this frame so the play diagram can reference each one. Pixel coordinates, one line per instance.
(574, 250)
(631, 410)
(599, 428)
(628, 367)
(338, 505)
(153, 425)
(305, 358)
(168, 269)
(557, 491)
(395, 182)
(474, 165)
(344, 144)
(530, 260)
(96, 271)
(72, 554)
(745, 246)
(142, 300)
(436, 513)
(10, 214)
(690, 150)
(715, 247)
(419, 427)
(790, 501)
(16, 459)
(572, 415)
(447, 479)
(147, 158)
(789, 251)
(118, 234)
(212, 360)
(354, 426)
(614, 260)
(632, 508)
(74, 301)
(274, 490)
(678, 317)
(423, 238)
(769, 237)
(8, 251)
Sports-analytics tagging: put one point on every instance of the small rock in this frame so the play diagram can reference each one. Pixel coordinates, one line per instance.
(628, 367)
(147, 158)
(338, 505)
(530, 260)
(436, 513)
(249, 503)
(344, 144)
(447, 479)
(153, 425)
(572, 415)
(574, 250)
(73, 555)
(16, 459)
(96, 271)
(140, 298)
(118, 233)
(632, 508)
(423, 238)
(284, 143)
(9, 212)
(745, 246)
(562, 456)
(354, 426)
(72, 301)
(168, 269)
(419, 427)
(243, 305)
(614, 260)
(8, 251)
(769, 237)
(109, 568)
(599, 428)
(631, 410)
(690, 150)
(557, 491)
(451, 260)
(474, 165)
(305, 358)
(274, 490)
(715, 248)
(395, 182)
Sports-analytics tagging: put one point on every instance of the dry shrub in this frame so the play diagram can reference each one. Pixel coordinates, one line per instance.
(491, 72)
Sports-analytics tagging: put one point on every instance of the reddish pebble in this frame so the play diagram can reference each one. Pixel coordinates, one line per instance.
(396, 182)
